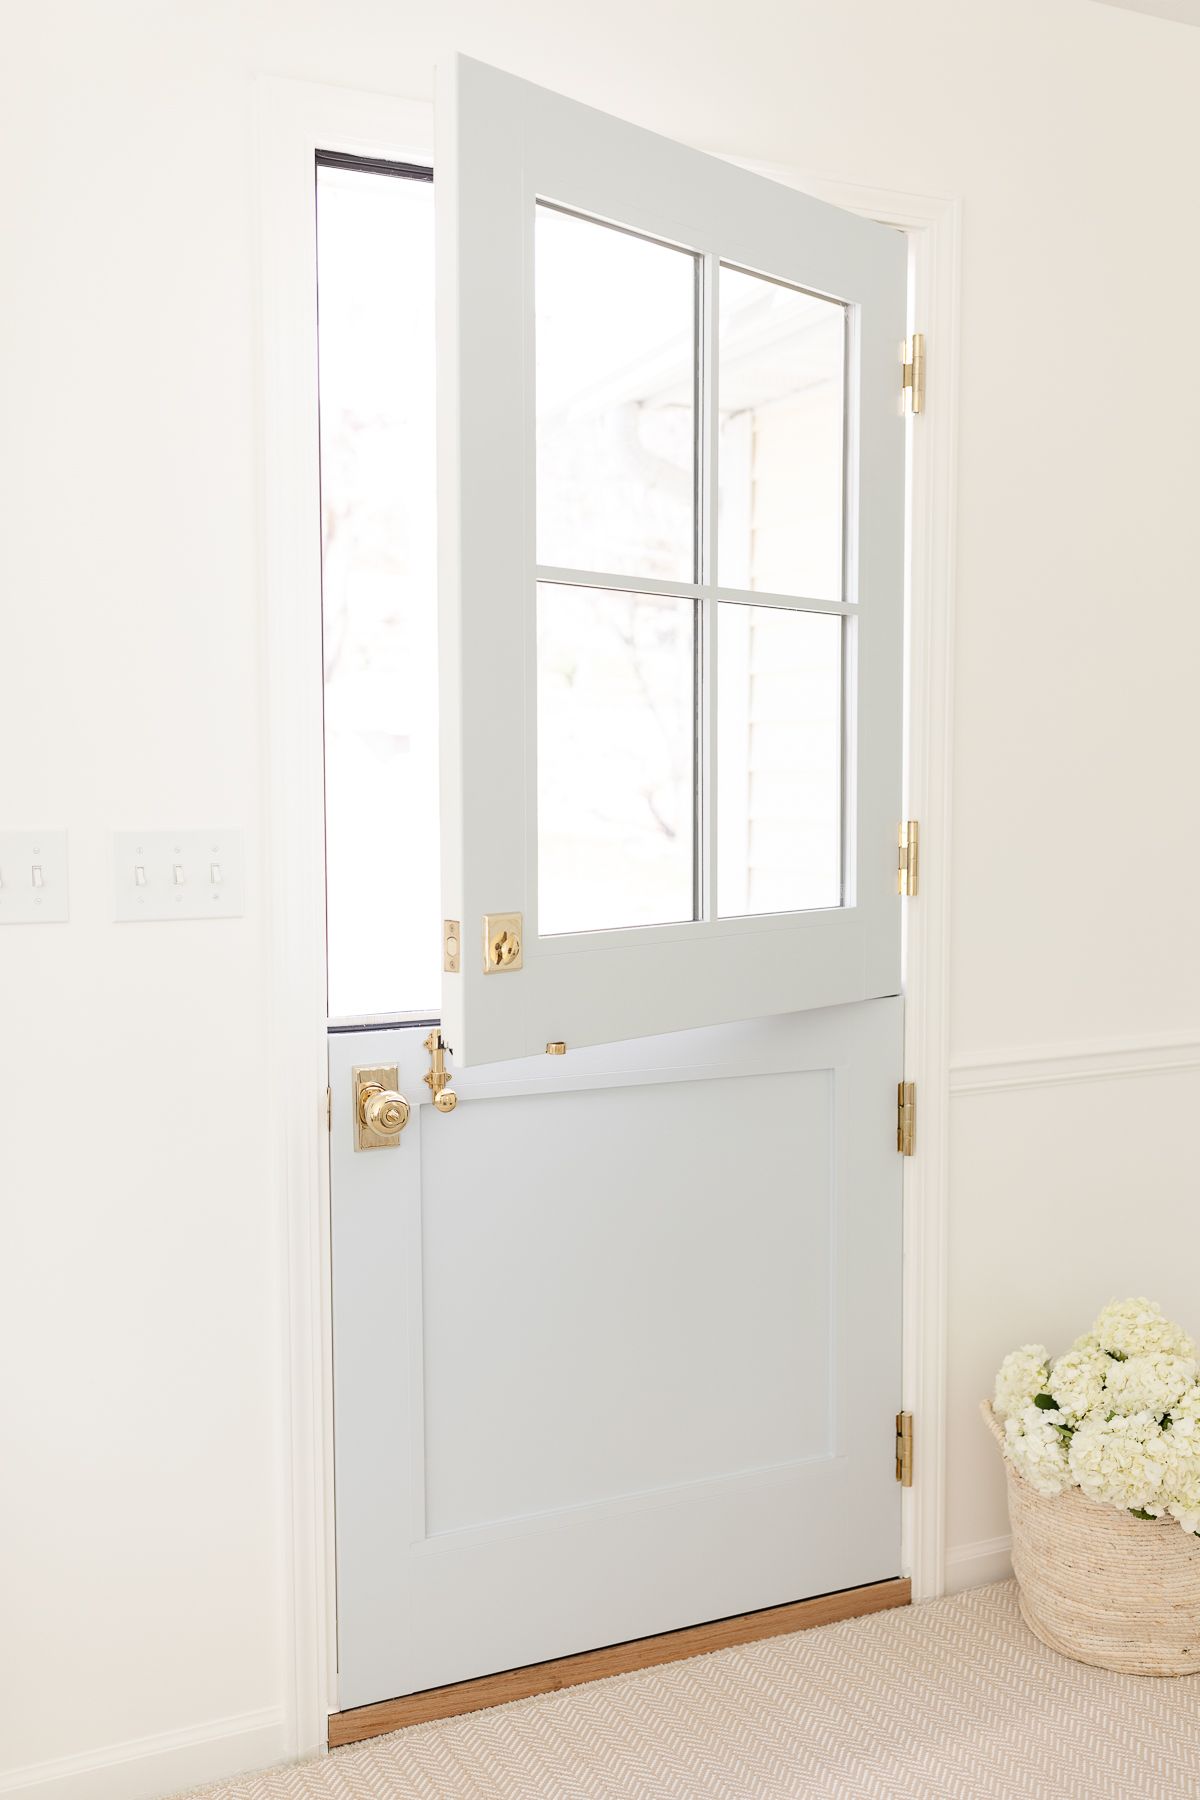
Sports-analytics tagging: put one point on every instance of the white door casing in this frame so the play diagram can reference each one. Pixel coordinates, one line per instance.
(503, 145)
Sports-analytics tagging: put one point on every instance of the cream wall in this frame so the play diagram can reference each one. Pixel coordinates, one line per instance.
(143, 1507)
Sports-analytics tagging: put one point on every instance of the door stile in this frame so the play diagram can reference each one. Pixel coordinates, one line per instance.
(709, 425)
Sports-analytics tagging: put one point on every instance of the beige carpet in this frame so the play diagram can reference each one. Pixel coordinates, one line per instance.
(950, 1699)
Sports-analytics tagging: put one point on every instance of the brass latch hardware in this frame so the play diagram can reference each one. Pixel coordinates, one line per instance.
(904, 1449)
(451, 947)
(502, 942)
(558, 1048)
(906, 1117)
(908, 875)
(380, 1112)
(444, 1098)
(914, 372)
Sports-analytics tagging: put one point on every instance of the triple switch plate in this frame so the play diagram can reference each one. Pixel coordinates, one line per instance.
(179, 875)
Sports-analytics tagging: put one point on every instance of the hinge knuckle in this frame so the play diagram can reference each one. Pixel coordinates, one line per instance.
(906, 1117)
(908, 873)
(914, 372)
(904, 1449)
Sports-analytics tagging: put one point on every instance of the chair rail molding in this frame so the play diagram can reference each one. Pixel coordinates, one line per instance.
(1055, 1065)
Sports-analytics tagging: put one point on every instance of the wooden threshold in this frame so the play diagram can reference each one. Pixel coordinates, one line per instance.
(615, 1659)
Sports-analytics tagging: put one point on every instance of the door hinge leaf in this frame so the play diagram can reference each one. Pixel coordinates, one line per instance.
(906, 1117)
(904, 1449)
(329, 1109)
(908, 870)
(914, 373)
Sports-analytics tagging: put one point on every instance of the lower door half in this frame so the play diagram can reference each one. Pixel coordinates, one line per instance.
(616, 1342)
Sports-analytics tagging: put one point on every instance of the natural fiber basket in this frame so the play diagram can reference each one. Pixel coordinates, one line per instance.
(1100, 1585)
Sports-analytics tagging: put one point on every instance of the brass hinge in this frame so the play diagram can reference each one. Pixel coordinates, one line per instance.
(914, 372)
(908, 879)
(329, 1109)
(906, 1117)
(904, 1449)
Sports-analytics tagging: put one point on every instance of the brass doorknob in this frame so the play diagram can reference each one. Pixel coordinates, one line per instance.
(381, 1111)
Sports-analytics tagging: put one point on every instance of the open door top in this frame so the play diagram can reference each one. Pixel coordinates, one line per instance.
(671, 542)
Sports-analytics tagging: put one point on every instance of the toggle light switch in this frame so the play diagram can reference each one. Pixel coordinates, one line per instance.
(33, 878)
(178, 874)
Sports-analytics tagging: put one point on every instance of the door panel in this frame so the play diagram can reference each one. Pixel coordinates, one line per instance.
(616, 1343)
(659, 373)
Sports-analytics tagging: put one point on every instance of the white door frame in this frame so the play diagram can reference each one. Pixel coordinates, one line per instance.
(294, 120)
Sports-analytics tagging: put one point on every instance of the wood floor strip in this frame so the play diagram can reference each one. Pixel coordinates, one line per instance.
(615, 1659)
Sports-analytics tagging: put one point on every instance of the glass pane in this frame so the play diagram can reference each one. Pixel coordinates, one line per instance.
(375, 279)
(616, 760)
(781, 461)
(616, 410)
(779, 759)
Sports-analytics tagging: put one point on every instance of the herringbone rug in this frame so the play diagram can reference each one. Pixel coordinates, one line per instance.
(950, 1701)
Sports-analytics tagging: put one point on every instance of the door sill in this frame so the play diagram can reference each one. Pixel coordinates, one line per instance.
(615, 1659)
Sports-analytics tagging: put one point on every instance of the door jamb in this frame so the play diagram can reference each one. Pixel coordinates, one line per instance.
(293, 120)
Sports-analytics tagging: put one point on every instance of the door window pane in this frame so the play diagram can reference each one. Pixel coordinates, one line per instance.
(781, 457)
(616, 408)
(616, 759)
(779, 758)
(378, 504)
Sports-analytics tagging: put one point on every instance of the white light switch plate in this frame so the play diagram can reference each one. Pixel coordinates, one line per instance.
(179, 874)
(33, 877)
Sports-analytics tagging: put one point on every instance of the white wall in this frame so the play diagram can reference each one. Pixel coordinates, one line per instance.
(143, 1506)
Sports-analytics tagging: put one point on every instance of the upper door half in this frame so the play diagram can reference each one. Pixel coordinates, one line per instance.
(671, 542)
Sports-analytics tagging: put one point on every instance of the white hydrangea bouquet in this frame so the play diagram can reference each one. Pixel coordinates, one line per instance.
(1102, 1447)
(1118, 1415)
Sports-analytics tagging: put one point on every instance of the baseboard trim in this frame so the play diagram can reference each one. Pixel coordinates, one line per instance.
(973, 1565)
(615, 1659)
(1052, 1065)
(165, 1763)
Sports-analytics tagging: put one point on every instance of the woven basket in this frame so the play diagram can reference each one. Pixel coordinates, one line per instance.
(1098, 1584)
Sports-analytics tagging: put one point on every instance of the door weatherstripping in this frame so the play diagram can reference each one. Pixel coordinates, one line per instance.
(380, 1111)
(914, 373)
(904, 1449)
(906, 1117)
(503, 935)
(437, 1077)
(908, 877)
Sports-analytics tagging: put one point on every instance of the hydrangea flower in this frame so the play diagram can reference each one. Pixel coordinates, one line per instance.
(1034, 1445)
(1140, 1328)
(1022, 1374)
(1179, 1493)
(1120, 1460)
(1151, 1383)
(1077, 1380)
